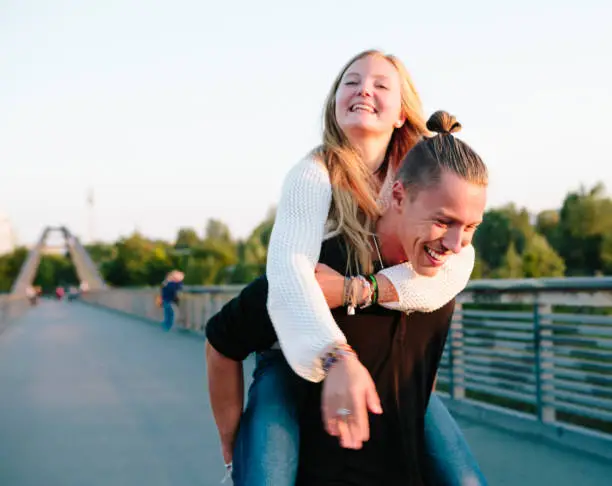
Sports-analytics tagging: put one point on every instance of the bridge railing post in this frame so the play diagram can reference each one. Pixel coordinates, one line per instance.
(544, 362)
(456, 368)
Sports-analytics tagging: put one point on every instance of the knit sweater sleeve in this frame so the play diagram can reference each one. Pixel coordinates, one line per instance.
(427, 294)
(297, 307)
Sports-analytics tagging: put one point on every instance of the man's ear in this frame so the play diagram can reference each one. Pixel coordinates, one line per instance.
(398, 195)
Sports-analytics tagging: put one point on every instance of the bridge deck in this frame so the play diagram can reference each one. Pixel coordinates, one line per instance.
(90, 397)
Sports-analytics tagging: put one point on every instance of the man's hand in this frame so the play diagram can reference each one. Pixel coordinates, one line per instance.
(386, 291)
(227, 449)
(349, 387)
(332, 285)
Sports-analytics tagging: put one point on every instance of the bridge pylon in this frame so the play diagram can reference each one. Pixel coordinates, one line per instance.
(86, 269)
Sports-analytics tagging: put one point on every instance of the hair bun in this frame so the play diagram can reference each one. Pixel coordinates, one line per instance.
(443, 122)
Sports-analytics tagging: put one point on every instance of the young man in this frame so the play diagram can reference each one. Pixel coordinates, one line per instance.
(437, 202)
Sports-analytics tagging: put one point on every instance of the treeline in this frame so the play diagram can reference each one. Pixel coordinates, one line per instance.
(510, 243)
(575, 240)
(211, 258)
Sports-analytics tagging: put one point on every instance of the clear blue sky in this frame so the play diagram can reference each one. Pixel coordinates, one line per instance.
(175, 112)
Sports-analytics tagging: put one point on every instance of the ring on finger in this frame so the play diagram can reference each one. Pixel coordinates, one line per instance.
(343, 412)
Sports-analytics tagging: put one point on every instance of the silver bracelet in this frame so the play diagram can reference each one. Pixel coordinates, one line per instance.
(365, 283)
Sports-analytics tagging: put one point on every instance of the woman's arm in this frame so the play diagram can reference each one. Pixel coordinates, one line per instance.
(405, 290)
(296, 304)
(401, 288)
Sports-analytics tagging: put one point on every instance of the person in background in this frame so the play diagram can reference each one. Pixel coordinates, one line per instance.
(59, 293)
(169, 296)
(32, 295)
(73, 293)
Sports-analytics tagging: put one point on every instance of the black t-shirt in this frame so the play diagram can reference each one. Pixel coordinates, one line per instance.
(401, 352)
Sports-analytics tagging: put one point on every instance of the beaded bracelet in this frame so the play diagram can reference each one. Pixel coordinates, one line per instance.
(374, 282)
(334, 355)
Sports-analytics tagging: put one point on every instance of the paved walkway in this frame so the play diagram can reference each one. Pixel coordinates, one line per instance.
(91, 398)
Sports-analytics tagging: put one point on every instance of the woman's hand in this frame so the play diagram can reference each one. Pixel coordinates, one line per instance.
(349, 389)
(332, 285)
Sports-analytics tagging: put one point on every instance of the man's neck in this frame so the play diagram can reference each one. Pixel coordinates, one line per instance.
(391, 250)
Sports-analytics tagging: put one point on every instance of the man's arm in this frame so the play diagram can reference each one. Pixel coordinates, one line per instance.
(241, 327)
(226, 389)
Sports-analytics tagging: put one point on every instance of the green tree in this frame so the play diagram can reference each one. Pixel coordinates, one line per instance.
(138, 262)
(547, 224)
(211, 263)
(492, 238)
(541, 260)
(54, 271)
(218, 231)
(512, 264)
(212, 260)
(521, 229)
(501, 229)
(10, 264)
(606, 253)
(253, 253)
(101, 253)
(187, 238)
(585, 220)
(479, 269)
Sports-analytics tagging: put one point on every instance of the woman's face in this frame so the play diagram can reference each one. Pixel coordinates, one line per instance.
(368, 99)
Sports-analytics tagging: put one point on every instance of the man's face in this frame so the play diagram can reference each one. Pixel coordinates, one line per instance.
(438, 221)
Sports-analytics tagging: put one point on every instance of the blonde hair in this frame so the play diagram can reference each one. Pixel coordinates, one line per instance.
(355, 189)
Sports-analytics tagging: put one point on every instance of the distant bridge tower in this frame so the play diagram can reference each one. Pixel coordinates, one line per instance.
(86, 269)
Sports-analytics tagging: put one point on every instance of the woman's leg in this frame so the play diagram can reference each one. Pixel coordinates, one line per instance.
(267, 447)
(451, 460)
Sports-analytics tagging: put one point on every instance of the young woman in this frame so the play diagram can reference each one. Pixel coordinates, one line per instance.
(373, 117)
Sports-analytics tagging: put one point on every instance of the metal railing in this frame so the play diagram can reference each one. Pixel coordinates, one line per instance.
(197, 304)
(543, 347)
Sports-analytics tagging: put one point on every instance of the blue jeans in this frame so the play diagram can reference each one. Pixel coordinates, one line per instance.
(266, 451)
(168, 315)
(451, 462)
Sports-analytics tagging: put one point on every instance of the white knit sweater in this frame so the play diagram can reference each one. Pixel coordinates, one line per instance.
(296, 304)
